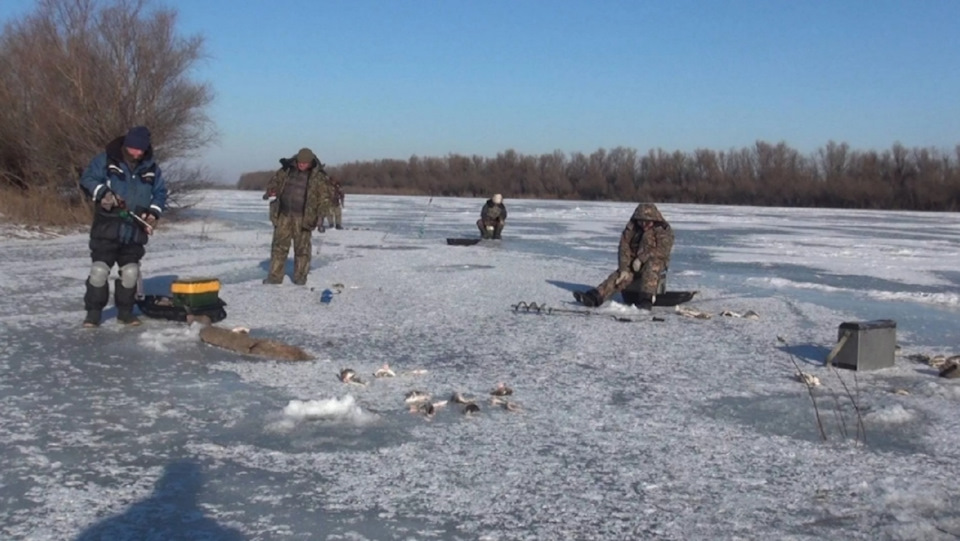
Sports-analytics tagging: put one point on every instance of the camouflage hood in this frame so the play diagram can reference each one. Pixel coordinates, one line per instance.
(647, 212)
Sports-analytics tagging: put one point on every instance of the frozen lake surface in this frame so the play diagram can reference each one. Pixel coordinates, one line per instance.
(676, 429)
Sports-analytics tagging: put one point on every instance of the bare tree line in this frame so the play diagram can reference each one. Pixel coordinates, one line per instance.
(74, 74)
(762, 175)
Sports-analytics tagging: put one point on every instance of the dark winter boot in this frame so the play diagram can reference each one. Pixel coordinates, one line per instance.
(589, 298)
(301, 268)
(93, 302)
(275, 276)
(496, 232)
(127, 318)
(93, 318)
(125, 298)
(339, 226)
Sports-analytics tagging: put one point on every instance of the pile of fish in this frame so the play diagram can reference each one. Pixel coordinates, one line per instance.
(422, 403)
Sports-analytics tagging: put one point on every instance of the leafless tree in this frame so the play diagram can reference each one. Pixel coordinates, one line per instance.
(74, 74)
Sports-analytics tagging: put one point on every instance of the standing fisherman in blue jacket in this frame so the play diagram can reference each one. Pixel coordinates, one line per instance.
(130, 195)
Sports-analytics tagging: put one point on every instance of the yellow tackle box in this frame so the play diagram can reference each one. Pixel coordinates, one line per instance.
(195, 292)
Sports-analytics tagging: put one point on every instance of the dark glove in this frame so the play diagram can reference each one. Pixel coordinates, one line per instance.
(148, 215)
(108, 201)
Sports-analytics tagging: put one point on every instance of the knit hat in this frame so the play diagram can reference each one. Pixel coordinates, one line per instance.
(138, 137)
(306, 156)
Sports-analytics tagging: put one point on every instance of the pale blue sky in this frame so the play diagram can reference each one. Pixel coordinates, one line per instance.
(365, 79)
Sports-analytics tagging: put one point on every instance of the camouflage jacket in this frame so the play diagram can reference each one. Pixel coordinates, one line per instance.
(319, 193)
(493, 213)
(337, 194)
(655, 243)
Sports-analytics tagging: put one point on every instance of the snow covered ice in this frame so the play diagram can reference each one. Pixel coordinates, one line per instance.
(676, 429)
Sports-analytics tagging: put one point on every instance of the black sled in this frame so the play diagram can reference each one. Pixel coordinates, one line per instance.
(631, 295)
(667, 298)
(162, 307)
(463, 242)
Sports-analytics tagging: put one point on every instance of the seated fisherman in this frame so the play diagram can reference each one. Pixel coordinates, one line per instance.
(493, 216)
(645, 247)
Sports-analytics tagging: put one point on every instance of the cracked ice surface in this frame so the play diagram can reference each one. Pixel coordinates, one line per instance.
(675, 429)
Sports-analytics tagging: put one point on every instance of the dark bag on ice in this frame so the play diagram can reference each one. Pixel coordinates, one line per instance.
(163, 307)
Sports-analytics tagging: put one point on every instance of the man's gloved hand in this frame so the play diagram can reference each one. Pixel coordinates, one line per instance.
(624, 276)
(149, 222)
(636, 264)
(108, 201)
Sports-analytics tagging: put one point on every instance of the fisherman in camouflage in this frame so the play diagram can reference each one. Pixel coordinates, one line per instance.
(493, 216)
(302, 194)
(335, 218)
(645, 247)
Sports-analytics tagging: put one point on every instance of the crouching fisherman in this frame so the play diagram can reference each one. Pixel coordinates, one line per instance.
(493, 216)
(644, 254)
(129, 195)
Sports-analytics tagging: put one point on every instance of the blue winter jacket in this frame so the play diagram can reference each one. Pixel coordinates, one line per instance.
(140, 190)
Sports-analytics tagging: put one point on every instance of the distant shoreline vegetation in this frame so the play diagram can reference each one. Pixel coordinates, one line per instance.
(834, 176)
